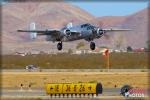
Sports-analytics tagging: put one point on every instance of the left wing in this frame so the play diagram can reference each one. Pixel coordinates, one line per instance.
(42, 32)
(35, 31)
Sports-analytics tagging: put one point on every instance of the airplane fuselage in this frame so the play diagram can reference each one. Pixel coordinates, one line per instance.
(83, 33)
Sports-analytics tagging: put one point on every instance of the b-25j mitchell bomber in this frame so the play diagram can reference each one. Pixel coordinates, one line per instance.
(68, 33)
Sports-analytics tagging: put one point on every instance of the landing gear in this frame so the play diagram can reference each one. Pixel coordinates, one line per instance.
(59, 46)
(92, 46)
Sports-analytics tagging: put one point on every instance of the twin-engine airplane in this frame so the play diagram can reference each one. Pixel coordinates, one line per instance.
(70, 33)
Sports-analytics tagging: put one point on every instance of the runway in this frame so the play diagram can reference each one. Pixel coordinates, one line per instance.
(11, 88)
(39, 92)
(36, 93)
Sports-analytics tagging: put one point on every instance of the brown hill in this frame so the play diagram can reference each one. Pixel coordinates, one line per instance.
(107, 21)
(55, 15)
(47, 15)
(138, 22)
(136, 38)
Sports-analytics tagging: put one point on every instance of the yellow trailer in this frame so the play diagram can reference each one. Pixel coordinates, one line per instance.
(73, 88)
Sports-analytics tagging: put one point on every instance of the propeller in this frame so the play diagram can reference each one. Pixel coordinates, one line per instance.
(101, 32)
(107, 36)
(66, 29)
(67, 32)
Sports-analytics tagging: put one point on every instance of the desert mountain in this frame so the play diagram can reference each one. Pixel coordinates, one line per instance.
(46, 15)
(108, 21)
(55, 15)
(137, 22)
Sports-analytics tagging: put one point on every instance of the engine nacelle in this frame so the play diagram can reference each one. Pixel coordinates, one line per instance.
(67, 32)
(100, 32)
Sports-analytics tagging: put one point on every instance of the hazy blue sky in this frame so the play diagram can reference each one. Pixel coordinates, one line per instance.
(111, 8)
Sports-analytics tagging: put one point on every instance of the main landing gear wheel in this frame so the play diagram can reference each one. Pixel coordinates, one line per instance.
(92, 46)
(59, 46)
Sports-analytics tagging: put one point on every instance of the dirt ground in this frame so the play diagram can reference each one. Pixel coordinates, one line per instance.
(108, 79)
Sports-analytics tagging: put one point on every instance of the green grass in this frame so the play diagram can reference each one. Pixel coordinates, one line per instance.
(91, 61)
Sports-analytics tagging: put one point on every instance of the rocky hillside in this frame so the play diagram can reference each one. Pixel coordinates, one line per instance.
(46, 15)
(55, 15)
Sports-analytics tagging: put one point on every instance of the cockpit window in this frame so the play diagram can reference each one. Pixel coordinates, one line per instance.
(85, 25)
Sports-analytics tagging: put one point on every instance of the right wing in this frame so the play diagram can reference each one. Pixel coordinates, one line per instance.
(115, 30)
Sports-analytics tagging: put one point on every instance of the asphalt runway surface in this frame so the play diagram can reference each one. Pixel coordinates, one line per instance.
(39, 92)
(36, 93)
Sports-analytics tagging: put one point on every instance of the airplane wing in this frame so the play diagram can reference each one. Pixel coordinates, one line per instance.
(42, 32)
(74, 32)
(115, 30)
(36, 31)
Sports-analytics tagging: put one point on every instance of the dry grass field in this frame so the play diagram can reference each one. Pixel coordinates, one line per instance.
(71, 61)
(108, 79)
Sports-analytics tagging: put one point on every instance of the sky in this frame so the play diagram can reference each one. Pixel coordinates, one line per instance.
(111, 8)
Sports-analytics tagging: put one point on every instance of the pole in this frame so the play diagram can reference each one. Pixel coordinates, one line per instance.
(21, 87)
(108, 65)
(107, 56)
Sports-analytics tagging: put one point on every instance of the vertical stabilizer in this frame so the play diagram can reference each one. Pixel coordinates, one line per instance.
(69, 25)
(33, 27)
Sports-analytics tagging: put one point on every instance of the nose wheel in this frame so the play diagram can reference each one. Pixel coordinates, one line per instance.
(59, 46)
(92, 46)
